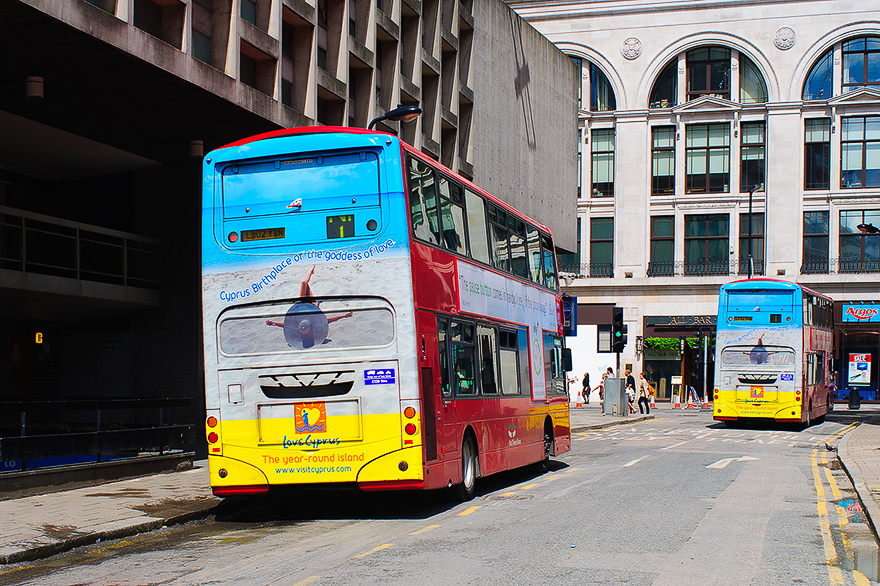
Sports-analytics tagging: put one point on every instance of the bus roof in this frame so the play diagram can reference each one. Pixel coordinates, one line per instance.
(779, 283)
(285, 132)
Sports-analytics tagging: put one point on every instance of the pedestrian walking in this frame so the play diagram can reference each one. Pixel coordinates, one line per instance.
(585, 390)
(645, 391)
(630, 390)
(601, 388)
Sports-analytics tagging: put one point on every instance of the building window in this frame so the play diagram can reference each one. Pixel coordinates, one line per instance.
(861, 63)
(601, 94)
(665, 92)
(817, 153)
(708, 72)
(663, 160)
(707, 158)
(580, 149)
(859, 241)
(751, 228)
(601, 247)
(706, 240)
(603, 162)
(571, 263)
(249, 11)
(752, 156)
(815, 243)
(818, 85)
(752, 89)
(286, 64)
(579, 64)
(322, 34)
(860, 152)
(202, 30)
(662, 246)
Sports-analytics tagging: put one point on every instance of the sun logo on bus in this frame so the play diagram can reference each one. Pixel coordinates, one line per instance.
(310, 418)
(511, 430)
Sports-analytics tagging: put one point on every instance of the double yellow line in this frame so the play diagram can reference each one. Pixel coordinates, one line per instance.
(835, 572)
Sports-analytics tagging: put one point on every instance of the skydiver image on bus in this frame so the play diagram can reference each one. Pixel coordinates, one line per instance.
(304, 323)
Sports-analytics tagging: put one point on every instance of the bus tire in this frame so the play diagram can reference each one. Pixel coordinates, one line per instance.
(549, 445)
(465, 490)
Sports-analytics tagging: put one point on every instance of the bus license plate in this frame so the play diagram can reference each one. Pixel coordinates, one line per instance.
(262, 234)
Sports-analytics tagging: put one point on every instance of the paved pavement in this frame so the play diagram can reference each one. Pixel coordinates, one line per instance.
(40, 526)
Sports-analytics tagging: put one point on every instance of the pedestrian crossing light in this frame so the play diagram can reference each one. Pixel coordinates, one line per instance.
(618, 330)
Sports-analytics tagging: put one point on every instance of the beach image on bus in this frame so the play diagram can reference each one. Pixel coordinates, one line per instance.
(372, 320)
(773, 353)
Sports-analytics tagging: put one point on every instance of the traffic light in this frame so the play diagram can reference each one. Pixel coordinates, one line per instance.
(618, 330)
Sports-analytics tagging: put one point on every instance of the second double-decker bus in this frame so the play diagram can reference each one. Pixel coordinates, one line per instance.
(773, 353)
(371, 319)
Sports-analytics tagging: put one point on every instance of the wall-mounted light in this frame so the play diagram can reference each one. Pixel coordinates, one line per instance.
(33, 87)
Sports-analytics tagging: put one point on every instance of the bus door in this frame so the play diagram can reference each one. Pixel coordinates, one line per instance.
(428, 380)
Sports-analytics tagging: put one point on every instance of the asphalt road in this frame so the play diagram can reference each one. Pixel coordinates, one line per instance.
(679, 500)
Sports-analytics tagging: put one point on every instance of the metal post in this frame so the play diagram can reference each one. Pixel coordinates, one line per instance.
(751, 261)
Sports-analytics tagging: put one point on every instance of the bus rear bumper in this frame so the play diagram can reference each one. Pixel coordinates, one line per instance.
(231, 477)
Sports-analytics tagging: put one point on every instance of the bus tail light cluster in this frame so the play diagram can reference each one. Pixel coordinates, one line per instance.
(797, 396)
(213, 436)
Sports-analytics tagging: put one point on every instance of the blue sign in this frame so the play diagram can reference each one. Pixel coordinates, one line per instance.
(379, 376)
(788, 376)
(860, 313)
(569, 316)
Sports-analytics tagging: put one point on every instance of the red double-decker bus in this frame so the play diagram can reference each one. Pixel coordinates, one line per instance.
(371, 318)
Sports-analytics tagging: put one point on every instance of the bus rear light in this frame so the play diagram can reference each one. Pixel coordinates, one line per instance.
(410, 429)
(222, 473)
(233, 236)
(213, 437)
(409, 412)
(212, 421)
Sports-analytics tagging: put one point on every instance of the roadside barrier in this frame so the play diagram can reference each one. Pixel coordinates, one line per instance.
(676, 403)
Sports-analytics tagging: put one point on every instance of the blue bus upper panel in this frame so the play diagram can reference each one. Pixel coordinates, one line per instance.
(324, 192)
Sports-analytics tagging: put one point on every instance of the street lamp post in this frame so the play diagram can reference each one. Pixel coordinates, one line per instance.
(401, 112)
(752, 190)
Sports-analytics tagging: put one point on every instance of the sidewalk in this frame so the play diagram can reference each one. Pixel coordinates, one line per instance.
(39, 526)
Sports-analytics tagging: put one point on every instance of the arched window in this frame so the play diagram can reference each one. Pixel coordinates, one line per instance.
(665, 92)
(818, 85)
(861, 63)
(601, 94)
(708, 72)
(752, 89)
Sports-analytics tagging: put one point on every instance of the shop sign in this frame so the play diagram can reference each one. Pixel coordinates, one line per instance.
(681, 320)
(860, 313)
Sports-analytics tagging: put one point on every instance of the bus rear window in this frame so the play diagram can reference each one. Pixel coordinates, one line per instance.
(758, 355)
(765, 300)
(283, 327)
(301, 185)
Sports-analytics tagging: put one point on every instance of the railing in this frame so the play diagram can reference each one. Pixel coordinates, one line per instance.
(34, 243)
(596, 269)
(836, 266)
(93, 439)
(703, 268)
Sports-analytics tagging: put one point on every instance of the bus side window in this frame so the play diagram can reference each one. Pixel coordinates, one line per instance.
(423, 202)
(534, 255)
(452, 216)
(518, 264)
(463, 360)
(507, 349)
(525, 371)
(555, 377)
(443, 347)
(476, 224)
(498, 227)
(549, 263)
(488, 366)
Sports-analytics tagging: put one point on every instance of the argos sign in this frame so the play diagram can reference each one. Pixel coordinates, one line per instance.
(860, 313)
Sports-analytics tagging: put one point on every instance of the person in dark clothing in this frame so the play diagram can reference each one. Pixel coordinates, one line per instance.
(585, 391)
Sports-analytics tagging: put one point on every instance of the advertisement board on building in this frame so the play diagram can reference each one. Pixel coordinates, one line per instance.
(859, 370)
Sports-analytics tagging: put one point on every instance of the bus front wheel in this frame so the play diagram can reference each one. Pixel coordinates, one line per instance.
(465, 490)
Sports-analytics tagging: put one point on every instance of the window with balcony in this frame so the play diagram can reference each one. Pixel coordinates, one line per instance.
(662, 246)
(708, 72)
(859, 241)
(860, 152)
(663, 160)
(707, 158)
(751, 169)
(603, 162)
(815, 242)
(817, 153)
(601, 247)
(751, 243)
(706, 241)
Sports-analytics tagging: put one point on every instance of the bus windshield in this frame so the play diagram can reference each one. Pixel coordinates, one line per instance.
(759, 355)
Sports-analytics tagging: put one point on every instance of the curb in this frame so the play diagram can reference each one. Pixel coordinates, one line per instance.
(869, 505)
(44, 551)
(618, 421)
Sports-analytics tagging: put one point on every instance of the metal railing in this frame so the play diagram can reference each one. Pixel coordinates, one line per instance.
(836, 266)
(35, 243)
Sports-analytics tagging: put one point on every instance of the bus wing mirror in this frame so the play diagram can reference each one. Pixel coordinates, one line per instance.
(566, 360)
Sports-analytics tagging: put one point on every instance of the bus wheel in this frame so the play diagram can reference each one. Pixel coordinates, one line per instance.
(549, 444)
(465, 490)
